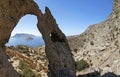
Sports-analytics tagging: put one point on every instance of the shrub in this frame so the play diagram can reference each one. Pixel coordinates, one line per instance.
(91, 43)
(81, 65)
(75, 50)
(26, 71)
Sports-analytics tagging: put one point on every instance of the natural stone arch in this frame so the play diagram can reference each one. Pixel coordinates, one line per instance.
(61, 63)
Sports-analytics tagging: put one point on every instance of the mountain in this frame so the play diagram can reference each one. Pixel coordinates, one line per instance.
(99, 45)
(25, 39)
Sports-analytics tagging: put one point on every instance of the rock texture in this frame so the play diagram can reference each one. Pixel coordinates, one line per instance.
(100, 44)
(6, 70)
(27, 61)
(56, 47)
(61, 63)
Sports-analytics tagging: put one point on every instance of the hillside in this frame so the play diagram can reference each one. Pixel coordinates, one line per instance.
(96, 51)
(28, 62)
(99, 45)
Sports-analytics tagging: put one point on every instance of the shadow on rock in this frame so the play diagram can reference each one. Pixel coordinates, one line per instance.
(97, 74)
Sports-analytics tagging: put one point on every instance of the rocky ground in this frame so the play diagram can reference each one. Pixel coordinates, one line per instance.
(102, 61)
(28, 62)
(99, 45)
(96, 51)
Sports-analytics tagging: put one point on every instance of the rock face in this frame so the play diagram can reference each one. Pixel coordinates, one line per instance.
(57, 48)
(61, 63)
(100, 44)
(6, 70)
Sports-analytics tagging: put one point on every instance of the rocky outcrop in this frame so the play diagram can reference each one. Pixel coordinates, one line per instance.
(61, 63)
(100, 44)
(57, 48)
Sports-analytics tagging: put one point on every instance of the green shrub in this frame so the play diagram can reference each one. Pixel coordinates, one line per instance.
(75, 50)
(81, 65)
(26, 71)
(91, 43)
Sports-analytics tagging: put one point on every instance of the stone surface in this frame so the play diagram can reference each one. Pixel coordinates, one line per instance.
(61, 63)
(6, 70)
(57, 48)
(34, 59)
(100, 44)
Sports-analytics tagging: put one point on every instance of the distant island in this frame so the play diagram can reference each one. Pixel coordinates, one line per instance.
(25, 39)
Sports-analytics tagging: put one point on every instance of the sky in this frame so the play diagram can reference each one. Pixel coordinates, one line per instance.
(72, 16)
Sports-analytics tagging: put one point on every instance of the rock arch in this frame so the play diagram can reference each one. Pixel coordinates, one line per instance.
(61, 63)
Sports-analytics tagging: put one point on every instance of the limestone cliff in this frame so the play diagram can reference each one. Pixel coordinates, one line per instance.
(100, 43)
(61, 63)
